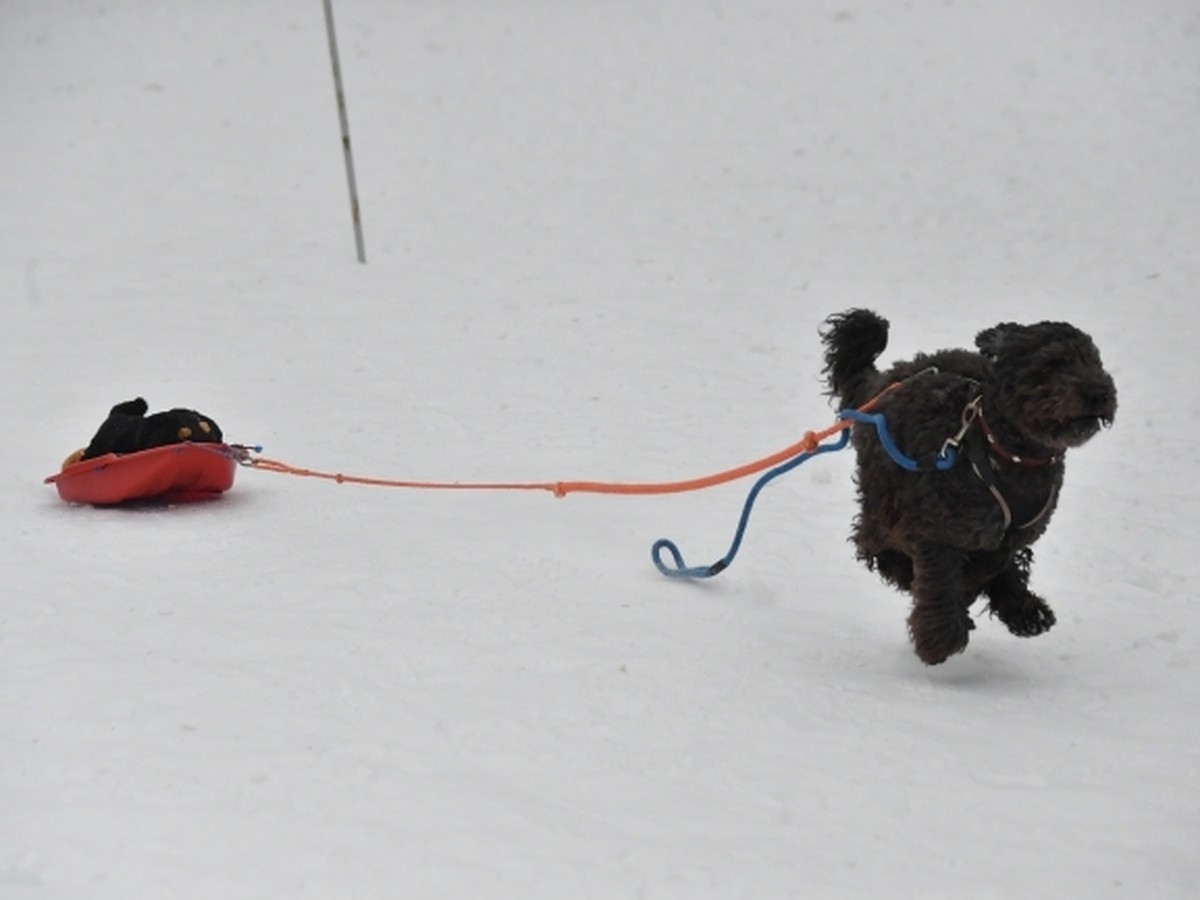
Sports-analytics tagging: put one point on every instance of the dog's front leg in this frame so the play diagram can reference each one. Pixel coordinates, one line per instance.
(938, 625)
(1023, 612)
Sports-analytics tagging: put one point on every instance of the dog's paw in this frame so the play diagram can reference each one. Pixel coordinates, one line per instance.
(937, 635)
(1035, 618)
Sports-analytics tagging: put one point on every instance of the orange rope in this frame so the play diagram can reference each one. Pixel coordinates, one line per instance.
(807, 444)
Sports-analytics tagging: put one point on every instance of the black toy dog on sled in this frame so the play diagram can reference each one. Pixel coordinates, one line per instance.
(1029, 394)
(128, 429)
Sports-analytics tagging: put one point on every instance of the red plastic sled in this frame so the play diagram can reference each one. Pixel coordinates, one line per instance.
(175, 473)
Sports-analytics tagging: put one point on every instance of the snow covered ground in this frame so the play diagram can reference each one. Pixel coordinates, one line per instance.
(601, 238)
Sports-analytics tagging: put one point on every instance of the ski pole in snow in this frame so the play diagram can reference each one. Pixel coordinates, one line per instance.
(345, 123)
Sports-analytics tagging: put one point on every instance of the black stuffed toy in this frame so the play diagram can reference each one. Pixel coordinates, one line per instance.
(128, 429)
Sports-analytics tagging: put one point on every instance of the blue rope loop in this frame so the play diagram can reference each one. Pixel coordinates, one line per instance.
(945, 459)
(682, 570)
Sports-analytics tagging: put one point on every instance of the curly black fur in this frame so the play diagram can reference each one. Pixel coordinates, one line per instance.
(943, 536)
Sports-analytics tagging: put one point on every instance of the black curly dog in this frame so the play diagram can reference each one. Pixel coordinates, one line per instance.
(1012, 411)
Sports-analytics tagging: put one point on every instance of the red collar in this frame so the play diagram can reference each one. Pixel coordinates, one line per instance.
(999, 449)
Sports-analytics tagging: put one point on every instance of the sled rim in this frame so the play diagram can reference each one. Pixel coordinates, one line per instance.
(175, 473)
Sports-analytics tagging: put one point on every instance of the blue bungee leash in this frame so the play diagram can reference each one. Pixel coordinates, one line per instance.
(945, 459)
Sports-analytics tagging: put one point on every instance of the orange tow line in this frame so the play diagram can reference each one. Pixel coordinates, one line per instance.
(807, 444)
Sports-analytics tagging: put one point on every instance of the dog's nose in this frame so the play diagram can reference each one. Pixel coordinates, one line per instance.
(1100, 398)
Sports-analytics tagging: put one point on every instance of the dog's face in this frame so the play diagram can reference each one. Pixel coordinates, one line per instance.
(1050, 382)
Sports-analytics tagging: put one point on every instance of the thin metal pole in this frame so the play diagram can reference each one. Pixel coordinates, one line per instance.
(344, 119)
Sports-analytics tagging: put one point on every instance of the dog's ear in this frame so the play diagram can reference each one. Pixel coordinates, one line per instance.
(992, 341)
(134, 407)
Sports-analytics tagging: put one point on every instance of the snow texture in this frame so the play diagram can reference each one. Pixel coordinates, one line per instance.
(600, 240)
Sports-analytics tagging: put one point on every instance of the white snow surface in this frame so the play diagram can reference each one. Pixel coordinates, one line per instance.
(601, 238)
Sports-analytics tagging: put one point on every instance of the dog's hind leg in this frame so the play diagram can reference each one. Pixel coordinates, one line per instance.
(895, 567)
(1023, 612)
(871, 542)
(939, 624)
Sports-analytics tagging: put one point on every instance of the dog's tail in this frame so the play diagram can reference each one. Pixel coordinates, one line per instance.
(853, 341)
